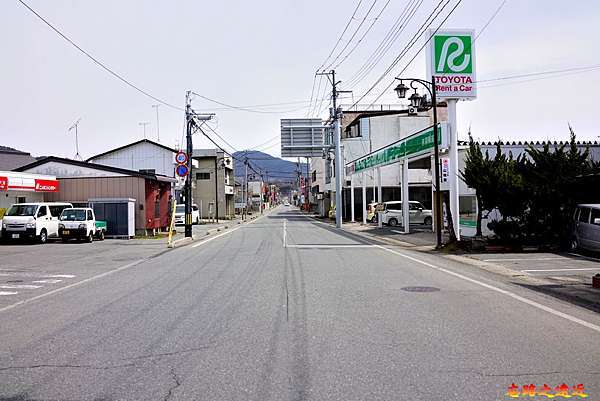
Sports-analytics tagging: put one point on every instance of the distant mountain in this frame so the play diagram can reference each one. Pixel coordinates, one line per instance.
(275, 168)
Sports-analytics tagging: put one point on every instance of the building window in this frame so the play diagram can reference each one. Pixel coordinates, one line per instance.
(21, 199)
(157, 207)
(203, 176)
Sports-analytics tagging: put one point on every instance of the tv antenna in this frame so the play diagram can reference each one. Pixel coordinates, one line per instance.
(74, 126)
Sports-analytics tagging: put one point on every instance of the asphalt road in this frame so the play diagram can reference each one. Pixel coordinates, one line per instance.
(287, 308)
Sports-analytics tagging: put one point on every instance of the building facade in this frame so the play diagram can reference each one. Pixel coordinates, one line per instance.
(79, 182)
(213, 183)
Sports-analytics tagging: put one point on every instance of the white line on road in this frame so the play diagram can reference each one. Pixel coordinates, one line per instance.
(561, 270)
(284, 233)
(19, 286)
(524, 259)
(50, 281)
(325, 246)
(37, 275)
(226, 232)
(501, 291)
(8, 293)
(87, 280)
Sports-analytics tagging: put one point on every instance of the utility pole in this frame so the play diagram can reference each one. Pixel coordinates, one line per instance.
(157, 122)
(246, 195)
(74, 126)
(216, 188)
(143, 124)
(339, 159)
(188, 179)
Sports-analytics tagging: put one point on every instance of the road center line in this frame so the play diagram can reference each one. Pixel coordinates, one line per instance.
(501, 291)
(325, 246)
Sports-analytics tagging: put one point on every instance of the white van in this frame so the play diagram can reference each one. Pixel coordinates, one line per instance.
(32, 221)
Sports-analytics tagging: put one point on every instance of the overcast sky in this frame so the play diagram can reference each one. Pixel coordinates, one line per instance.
(264, 52)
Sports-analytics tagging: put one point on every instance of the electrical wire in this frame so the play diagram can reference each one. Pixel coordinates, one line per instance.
(98, 62)
(249, 110)
(363, 36)
(490, 19)
(353, 35)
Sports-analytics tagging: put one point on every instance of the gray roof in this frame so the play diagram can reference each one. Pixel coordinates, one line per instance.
(11, 159)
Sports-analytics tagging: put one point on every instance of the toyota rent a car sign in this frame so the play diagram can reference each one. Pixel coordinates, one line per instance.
(451, 63)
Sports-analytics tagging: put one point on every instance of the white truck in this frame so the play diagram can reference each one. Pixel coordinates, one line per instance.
(80, 223)
(32, 221)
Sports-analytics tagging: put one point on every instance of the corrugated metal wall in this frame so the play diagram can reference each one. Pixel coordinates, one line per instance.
(82, 189)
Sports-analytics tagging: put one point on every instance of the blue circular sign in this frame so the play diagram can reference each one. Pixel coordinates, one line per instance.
(181, 157)
(181, 170)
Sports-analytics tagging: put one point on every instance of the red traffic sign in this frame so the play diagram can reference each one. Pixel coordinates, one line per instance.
(181, 157)
(182, 170)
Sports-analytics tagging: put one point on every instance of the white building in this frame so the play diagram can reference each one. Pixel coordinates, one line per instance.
(144, 156)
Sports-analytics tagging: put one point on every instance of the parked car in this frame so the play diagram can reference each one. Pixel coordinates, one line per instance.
(180, 214)
(586, 227)
(392, 213)
(32, 221)
(372, 209)
(80, 223)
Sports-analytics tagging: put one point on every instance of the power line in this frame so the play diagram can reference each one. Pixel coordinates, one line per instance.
(491, 19)
(533, 74)
(364, 35)
(408, 48)
(353, 35)
(539, 78)
(386, 43)
(243, 108)
(98, 62)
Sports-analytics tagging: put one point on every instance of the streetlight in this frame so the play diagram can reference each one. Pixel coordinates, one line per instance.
(417, 101)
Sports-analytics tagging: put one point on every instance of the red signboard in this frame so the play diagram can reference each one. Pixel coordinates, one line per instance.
(46, 185)
(3, 183)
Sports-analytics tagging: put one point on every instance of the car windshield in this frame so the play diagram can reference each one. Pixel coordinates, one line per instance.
(180, 209)
(73, 215)
(21, 210)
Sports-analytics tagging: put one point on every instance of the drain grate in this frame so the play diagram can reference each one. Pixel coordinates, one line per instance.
(420, 289)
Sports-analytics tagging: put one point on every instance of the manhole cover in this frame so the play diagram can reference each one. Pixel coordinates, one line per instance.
(420, 289)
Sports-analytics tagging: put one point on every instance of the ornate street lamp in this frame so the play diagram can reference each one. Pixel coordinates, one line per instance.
(417, 101)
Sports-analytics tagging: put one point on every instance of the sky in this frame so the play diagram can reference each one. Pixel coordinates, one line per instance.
(246, 53)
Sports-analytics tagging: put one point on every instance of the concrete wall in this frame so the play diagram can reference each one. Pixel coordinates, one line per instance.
(204, 190)
(141, 156)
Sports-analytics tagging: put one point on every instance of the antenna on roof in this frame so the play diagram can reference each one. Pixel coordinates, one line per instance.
(75, 124)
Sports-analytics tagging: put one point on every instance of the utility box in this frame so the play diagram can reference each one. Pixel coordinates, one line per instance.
(119, 214)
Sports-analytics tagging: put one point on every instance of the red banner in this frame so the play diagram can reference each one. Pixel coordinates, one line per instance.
(3, 183)
(46, 185)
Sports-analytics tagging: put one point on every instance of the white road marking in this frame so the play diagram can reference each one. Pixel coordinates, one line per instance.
(561, 270)
(284, 233)
(37, 275)
(87, 280)
(227, 232)
(325, 246)
(501, 291)
(8, 293)
(397, 232)
(49, 281)
(19, 286)
(524, 259)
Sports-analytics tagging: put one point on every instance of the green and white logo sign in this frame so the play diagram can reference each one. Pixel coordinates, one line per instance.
(451, 61)
(453, 54)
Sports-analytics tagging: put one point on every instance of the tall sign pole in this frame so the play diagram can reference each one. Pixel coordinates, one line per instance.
(451, 64)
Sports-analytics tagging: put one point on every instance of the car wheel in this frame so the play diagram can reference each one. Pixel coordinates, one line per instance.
(574, 244)
(43, 236)
(90, 237)
(393, 222)
(427, 221)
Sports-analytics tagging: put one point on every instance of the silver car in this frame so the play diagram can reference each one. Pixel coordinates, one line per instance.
(586, 230)
(392, 213)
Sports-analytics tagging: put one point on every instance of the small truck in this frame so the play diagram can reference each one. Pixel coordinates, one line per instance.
(80, 223)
